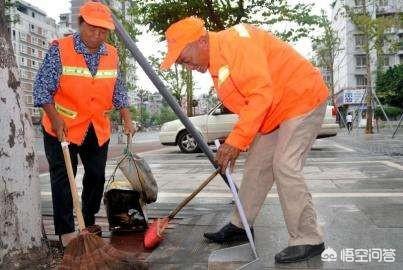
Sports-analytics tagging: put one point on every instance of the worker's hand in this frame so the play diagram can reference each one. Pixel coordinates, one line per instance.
(59, 127)
(226, 154)
(129, 128)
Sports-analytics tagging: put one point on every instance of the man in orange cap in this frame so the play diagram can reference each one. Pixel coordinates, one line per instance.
(77, 85)
(281, 100)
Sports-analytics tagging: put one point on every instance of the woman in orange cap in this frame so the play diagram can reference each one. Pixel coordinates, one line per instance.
(76, 86)
(280, 99)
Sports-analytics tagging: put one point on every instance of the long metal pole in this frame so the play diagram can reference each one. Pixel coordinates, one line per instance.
(152, 75)
(398, 125)
(240, 208)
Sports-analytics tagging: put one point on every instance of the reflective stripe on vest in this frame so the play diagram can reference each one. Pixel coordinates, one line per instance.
(84, 72)
(242, 31)
(65, 112)
(106, 74)
(76, 71)
(73, 114)
(223, 74)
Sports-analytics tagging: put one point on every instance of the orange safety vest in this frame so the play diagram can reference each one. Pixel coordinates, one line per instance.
(81, 98)
(262, 79)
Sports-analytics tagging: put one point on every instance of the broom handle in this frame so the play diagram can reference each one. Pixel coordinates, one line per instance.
(73, 187)
(191, 196)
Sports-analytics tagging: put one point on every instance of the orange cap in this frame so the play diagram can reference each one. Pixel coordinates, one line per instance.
(180, 34)
(97, 14)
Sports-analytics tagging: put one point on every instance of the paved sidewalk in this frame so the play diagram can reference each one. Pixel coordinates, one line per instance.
(356, 182)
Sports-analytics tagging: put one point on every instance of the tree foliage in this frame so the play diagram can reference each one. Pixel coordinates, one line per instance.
(374, 31)
(8, 5)
(219, 15)
(164, 115)
(326, 48)
(128, 16)
(389, 86)
(392, 112)
(175, 79)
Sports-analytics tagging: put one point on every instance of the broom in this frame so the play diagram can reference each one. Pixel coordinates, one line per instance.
(88, 251)
(153, 235)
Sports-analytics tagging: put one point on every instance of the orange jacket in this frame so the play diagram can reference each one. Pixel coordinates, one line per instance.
(262, 79)
(82, 99)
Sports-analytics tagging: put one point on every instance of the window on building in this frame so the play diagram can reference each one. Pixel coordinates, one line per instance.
(401, 59)
(22, 9)
(33, 14)
(29, 99)
(359, 41)
(26, 86)
(385, 60)
(13, 34)
(360, 60)
(383, 3)
(359, 3)
(23, 48)
(36, 112)
(361, 80)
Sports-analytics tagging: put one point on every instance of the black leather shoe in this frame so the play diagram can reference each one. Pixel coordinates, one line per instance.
(228, 233)
(299, 253)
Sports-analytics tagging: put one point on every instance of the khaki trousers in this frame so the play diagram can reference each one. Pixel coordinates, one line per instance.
(280, 156)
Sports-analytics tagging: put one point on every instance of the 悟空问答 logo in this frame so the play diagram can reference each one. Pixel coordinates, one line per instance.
(329, 255)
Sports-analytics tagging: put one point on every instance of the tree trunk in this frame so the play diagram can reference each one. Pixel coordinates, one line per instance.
(331, 71)
(368, 127)
(20, 214)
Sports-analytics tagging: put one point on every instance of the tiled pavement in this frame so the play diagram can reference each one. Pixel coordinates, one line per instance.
(356, 181)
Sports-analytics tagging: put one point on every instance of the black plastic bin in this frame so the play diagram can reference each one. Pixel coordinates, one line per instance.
(124, 211)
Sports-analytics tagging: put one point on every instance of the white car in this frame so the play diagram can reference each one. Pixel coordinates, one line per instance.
(329, 126)
(217, 124)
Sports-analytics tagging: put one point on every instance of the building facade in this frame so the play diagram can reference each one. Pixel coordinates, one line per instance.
(74, 11)
(350, 64)
(31, 33)
(65, 24)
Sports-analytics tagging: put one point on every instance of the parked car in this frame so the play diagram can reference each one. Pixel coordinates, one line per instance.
(217, 124)
(329, 126)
